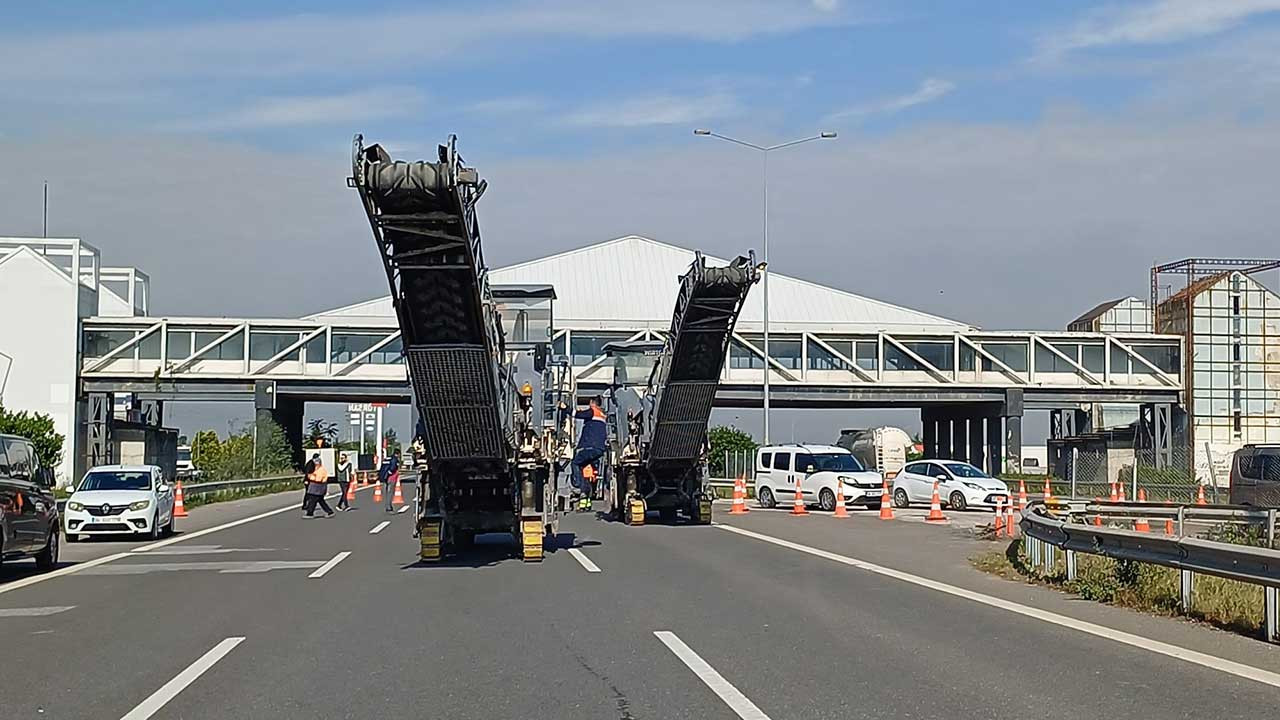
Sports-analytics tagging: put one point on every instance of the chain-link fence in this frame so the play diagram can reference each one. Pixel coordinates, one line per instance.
(1164, 477)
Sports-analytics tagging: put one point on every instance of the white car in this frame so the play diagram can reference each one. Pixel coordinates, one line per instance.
(960, 485)
(817, 468)
(120, 500)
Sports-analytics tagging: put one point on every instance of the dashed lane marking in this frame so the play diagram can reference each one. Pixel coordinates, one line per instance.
(170, 690)
(584, 561)
(333, 561)
(379, 527)
(1194, 657)
(736, 701)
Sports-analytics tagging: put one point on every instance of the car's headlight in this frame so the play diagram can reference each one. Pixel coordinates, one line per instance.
(973, 486)
(73, 505)
(140, 505)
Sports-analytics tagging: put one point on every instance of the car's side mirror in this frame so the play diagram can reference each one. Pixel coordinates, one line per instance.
(809, 470)
(942, 478)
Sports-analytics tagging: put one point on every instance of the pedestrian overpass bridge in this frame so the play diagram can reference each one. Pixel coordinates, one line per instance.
(206, 359)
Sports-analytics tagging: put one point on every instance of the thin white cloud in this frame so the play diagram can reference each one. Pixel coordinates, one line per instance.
(1153, 23)
(313, 44)
(313, 110)
(655, 110)
(826, 5)
(931, 89)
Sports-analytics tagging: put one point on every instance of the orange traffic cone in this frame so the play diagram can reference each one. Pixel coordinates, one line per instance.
(841, 511)
(1097, 519)
(797, 505)
(1168, 526)
(999, 524)
(1200, 496)
(351, 490)
(1115, 492)
(396, 497)
(739, 497)
(1048, 494)
(179, 507)
(377, 493)
(886, 503)
(1142, 494)
(1010, 521)
(935, 507)
(1141, 525)
(1121, 492)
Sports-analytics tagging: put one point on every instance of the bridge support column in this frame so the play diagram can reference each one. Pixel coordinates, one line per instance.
(959, 438)
(944, 438)
(995, 446)
(929, 432)
(99, 423)
(975, 455)
(1012, 412)
(285, 412)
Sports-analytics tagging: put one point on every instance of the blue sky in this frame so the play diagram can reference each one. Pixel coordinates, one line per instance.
(572, 76)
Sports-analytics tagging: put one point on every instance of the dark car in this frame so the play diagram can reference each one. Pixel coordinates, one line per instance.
(29, 524)
(1255, 476)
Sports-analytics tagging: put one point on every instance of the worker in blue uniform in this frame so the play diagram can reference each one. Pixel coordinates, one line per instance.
(591, 446)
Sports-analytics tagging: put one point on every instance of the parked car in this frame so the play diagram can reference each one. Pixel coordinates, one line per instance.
(28, 510)
(120, 500)
(818, 468)
(960, 485)
(1255, 476)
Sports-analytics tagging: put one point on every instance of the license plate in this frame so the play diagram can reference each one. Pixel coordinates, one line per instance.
(871, 493)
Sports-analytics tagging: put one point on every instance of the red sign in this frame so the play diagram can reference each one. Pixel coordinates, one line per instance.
(378, 405)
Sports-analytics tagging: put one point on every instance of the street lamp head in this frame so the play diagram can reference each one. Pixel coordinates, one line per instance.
(701, 131)
(827, 134)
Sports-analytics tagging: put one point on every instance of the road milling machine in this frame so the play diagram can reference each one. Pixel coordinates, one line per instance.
(660, 399)
(478, 357)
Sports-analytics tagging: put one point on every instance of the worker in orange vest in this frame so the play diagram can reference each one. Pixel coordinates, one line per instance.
(317, 486)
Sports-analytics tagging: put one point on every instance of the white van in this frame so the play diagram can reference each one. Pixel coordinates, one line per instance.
(817, 468)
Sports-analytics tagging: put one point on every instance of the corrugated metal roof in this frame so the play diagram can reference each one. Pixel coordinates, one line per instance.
(1097, 311)
(631, 283)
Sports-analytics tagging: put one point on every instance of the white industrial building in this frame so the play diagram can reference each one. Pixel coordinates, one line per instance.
(47, 286)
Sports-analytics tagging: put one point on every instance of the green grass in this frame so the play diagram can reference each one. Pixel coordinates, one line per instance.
(1227, 604)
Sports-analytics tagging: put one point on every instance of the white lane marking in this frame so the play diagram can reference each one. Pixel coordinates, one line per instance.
(1214, 662)
(583, 560)
(71, 569)
(170, 690)
(379, 527)
(320, 571)
(60, 572)
(403, 508)
(736, 701)
(34, 611)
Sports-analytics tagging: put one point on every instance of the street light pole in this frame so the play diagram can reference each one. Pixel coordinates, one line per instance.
(764, 272)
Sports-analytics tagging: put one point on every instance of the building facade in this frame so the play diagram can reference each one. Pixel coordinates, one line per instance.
(1232, 367)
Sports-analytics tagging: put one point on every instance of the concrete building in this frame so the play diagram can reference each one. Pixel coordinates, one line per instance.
(48, 286)
(1232, 368)
(1125, 315)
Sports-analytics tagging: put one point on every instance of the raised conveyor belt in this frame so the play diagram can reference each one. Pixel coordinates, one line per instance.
(706, 310)
(423, 218)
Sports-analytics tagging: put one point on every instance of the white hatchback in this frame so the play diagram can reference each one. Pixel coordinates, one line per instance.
(960, 485)
(817, 469)
(120, 500)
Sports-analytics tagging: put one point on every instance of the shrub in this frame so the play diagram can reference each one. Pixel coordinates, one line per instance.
(38, 428)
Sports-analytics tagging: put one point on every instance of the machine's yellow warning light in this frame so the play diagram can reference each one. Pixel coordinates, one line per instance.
(526, 390)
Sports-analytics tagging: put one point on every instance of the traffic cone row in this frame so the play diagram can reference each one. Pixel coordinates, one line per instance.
(1022, 494)
(1200, 496)
(1048, 494)
(935, 507)
(797, 505)
(179, 506)
(351, 490)
(739, 497)
(999, 523)
(1115, 492)
(1011, 521)
(377, 493)
(886, 503)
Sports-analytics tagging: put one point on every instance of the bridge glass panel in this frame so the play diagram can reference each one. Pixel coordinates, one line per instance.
(1093, 358)
(178, 344)
(1164, 357)
(149, 347)
(315, 349)
(867, 354)
(822, 359)
(785, 350)
(938, 354)
(98, 343)
(230, 349)
(1012, 354)
(587, 345)
(266, 345)
(743, 358)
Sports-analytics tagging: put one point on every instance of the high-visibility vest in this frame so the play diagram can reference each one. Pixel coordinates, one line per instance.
(320, 475)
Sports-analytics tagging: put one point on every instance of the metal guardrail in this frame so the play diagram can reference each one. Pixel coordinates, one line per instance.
(1048, 527)
(211, 487)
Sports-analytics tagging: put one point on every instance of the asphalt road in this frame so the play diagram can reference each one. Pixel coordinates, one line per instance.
(678, 622)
